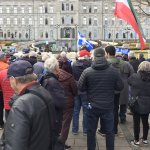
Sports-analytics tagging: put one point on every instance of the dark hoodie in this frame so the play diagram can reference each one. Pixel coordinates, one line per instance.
(140, 83)
(100, 82)
(135, 63)
(79, 66)
(69, 85)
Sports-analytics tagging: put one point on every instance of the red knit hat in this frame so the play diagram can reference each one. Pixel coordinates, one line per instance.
(83, 53)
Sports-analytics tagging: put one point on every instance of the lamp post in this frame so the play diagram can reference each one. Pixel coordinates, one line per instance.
(76, 35)
(29, 32)
(1, 34)
(57, 26)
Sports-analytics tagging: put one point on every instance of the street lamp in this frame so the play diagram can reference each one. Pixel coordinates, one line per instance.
(76, 25)
(29, 31)
(57, 26)
(1, 33)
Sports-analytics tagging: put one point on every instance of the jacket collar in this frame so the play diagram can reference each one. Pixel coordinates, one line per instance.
(22, 91)
(100, 64)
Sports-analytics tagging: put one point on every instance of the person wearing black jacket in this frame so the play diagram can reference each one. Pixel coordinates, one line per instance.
(29, 125)
(52, 85)
(133, 61)
(100, 82)
(140, 85)
(78, 67)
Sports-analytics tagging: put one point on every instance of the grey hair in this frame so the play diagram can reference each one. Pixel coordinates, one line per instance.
(32, 54)
(63, 54)
(26, 78)
(51, 64)
(45, 56)
(144, 66)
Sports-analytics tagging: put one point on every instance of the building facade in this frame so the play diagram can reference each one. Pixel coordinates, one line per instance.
(60, 20)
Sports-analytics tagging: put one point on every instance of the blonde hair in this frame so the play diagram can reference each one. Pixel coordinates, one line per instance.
(144, 66)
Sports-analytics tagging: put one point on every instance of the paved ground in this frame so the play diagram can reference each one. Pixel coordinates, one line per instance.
(122, 142)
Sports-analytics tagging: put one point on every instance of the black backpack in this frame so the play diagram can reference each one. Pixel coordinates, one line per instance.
(51, 116)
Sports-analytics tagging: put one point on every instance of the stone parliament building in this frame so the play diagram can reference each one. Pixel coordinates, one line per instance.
(60, 20)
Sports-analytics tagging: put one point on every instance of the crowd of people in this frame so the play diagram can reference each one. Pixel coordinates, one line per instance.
(42, 93)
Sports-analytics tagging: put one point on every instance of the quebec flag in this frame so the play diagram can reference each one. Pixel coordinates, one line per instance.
(83, 41)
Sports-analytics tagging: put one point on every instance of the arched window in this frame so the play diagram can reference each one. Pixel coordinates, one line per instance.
(62, 7)
(46, 11)
(41, 34)
(131, 35)
(4, 35)
(84, 21)
(12, 35)
(26, 35)
(1, 33)
(95, 34)
(15, 34)
(95, 21)
(117, 35)
(62, 33)
(124, 35)
(46, 35)
(72, 20)
(51, 33)
(46, 21)
(62, 20)
(8, 33)
(90, 35)
(90, 21)
(73, 33)
(67, 7)
(19, 35)
(109, 35)
(71, 7)
(90, 9)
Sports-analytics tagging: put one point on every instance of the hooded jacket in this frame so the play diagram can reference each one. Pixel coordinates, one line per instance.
(135, 63)
(140, 85)
(6, 88)
(79, 66)
(100, 82)
(69, 85)
(53, 86)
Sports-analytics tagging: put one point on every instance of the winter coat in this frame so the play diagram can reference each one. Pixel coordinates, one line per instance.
(126, 70)
(134, 63)
(52, 85)
(79, 66)
(69, 85)
(100, 81)
(6, 88)
(65, 64)
(140, 86)
(3, 65)
(28, 126)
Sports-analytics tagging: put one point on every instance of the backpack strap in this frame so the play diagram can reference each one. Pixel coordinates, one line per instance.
(49, 116)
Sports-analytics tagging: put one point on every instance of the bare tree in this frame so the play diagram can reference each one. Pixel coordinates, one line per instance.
(141, 4)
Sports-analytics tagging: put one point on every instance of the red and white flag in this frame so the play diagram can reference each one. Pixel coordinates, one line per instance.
(125, 11)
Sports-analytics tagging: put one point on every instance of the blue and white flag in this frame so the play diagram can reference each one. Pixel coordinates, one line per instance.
(122, 50)
(83, 41)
